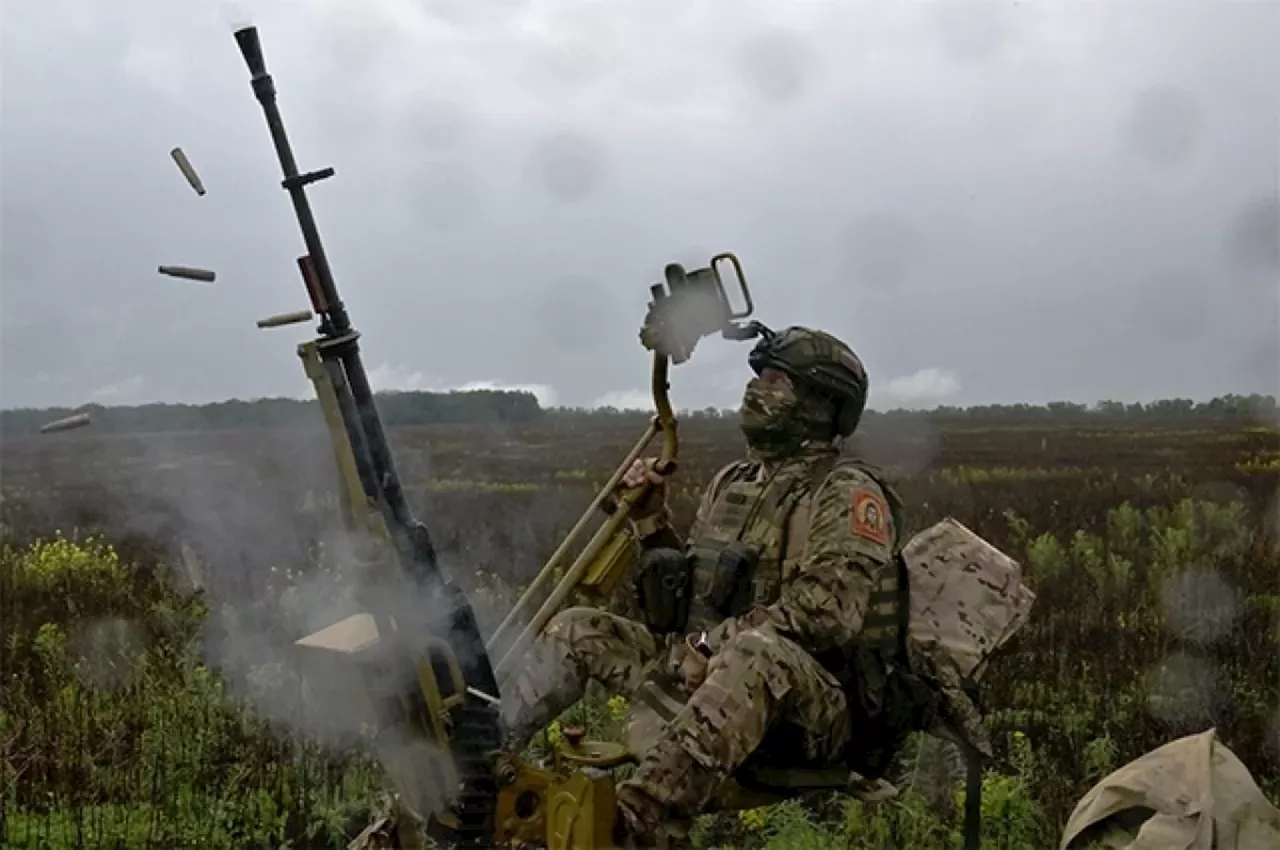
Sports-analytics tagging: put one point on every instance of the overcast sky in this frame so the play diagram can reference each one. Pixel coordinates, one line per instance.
(991, 201)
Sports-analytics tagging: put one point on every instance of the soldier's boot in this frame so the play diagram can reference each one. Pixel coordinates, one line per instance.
(399, 828)
(871, 790)
(641, 822)
(549, 684)
(656, 804)
(379, 835)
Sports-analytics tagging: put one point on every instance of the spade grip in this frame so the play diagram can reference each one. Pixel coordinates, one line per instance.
(692, 305)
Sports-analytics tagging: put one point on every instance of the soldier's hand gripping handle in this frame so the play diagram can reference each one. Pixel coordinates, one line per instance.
(650, 513)
(646, 471)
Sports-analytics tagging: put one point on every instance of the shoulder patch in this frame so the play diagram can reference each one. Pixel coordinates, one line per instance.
(870, 517)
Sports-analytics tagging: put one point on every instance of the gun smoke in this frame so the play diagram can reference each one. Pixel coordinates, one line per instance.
(258, 538)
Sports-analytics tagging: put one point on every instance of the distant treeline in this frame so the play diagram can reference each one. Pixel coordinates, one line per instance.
(485, 406)
(397, 409)
(1227, 407)
(1253, 406)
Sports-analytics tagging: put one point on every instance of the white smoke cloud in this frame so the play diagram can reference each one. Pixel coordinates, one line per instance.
(127, 391)
(545, 393)
(625, 400)
(387, 377)
(925, 388)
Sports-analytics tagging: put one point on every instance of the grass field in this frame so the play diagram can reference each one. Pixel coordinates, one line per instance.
(139, 712)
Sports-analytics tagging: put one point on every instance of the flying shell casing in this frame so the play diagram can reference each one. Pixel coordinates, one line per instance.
(188, 171)
(285, 319)
(189, 273)
(67, 423)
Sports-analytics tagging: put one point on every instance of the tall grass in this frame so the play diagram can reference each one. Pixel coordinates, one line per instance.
(126, 721)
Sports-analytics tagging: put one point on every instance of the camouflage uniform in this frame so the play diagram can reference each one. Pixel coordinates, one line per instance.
(805, 647)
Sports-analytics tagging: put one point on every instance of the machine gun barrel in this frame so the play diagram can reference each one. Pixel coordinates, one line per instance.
(382, 480)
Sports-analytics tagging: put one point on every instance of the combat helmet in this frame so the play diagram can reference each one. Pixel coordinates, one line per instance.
(819, 362)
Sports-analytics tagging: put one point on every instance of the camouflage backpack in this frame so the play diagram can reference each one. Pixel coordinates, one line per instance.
(967, 600)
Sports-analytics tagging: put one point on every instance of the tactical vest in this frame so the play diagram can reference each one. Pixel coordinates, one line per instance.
(769, 519)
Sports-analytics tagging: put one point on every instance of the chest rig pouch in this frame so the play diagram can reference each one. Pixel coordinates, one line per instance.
(737, 560)
(677, 592)
(734, 568)
(663, 590)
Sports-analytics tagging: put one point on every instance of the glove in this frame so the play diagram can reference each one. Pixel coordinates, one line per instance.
(697, 658)
(653, 505)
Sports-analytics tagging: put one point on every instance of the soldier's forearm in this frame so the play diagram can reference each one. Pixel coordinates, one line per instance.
(664, 538)
(819, 610)
(814, 628)
(656, 531)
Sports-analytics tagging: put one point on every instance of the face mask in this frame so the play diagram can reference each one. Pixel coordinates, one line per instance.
(768, 418)
(776, 420)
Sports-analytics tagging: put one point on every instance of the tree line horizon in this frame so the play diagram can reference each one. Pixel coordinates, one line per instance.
(415, 407)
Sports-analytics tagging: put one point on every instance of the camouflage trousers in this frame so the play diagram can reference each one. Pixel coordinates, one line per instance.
(757, 683)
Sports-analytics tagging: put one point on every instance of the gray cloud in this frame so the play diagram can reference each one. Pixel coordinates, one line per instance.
(567, 165)
(1164, 125)
(991, 201)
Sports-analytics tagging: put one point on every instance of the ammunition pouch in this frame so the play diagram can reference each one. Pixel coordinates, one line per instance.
(664, 589)
(732, 573)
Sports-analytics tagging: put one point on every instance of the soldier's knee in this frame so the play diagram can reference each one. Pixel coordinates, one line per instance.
(764, 657)
(754, 644)
(570, 620)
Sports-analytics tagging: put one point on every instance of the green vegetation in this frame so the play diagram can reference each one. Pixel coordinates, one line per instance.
(137, 712)
(115, 729)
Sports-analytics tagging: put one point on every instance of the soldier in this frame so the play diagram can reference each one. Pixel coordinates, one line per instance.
(779, 627)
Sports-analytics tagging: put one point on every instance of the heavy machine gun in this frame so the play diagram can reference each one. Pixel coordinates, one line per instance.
(415, 653)
(413, 660)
